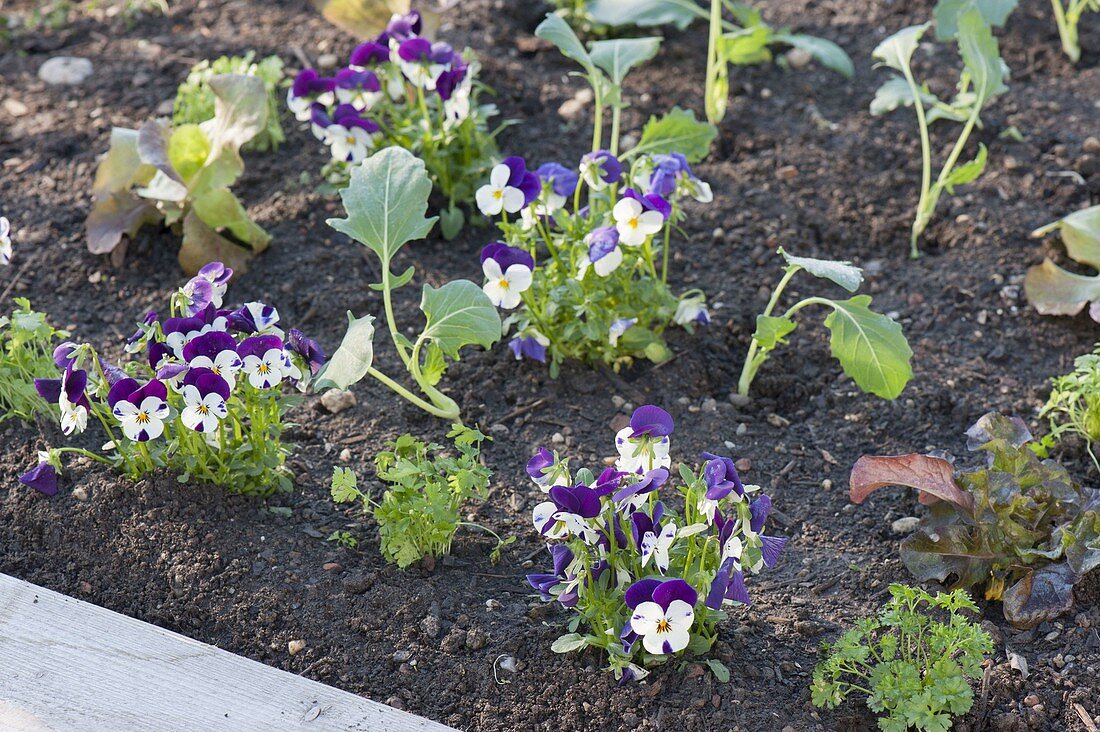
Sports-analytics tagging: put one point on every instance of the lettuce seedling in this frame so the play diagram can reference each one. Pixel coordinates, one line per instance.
(26, 353)
(1017, 525)
(1068, 17)
(385, 202)
(870, 346)
(1054, 291)
(912, 666)
(180, 176)
(1074, 404)
(981, 80)
(195, 99)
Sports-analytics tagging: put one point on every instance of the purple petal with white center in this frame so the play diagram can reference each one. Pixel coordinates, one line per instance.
(651, 420)
(537, 465)
(506, 256)
(258, 345)
(63, 354)
(154, 388)
(414, 49)
(121, 390)
(602, 241)
(207, 382)
(579, 499)
(641, 591)
(209, 345)
(650, 202)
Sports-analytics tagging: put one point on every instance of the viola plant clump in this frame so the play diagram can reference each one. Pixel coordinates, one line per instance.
(870, 346)
(384, 218)
(401, 89)
(195, 99)
(1052, 290)
(1018, 526)
(583, 255)
(204, 401)
(648, 584)
(27, 342)
(180, 176)
(980, 81)
(913, 662)
(419, 513)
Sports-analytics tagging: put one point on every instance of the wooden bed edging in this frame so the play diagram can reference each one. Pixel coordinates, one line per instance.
(70, 666)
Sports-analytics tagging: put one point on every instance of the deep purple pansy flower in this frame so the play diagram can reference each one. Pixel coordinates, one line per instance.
(140, 410)
(42, 477)
(527, 347)
(728, 584)
(664, 620)
(307, 348)
(721, 477)
(635, 493)
(401, 27)
(650, 202)
(543, 583)
(309, 83)
(506, 256)
(652, 421)
(600, 169)
(369, 53)
(562, 180)
(415, 49)
(523, 179)
(539, 465)
(609, 481)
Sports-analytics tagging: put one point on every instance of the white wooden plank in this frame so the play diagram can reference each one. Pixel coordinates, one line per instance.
(70, 666)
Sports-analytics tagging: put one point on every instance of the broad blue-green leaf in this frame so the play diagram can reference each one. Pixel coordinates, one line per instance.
(677, 131)
(385, 200)
(349, 364)
(946, 14)
(844, 274)
(1054, 291)
(981, 56)
(558, 32)
(894, 92)
(642, 13)
(897, 50)
(617, 57)
(827, 53)
(870, 347)
(459, 314)
(771, 330)
(967, 172)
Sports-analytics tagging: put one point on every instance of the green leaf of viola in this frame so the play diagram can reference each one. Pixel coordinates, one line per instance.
(844, 274)
(240, 111)
(385, 200)
(569, 642)
(677, 131)
(451, 221)
(617, 57)
(981, 56)
(202, 245)
(719, 670)
(771, 330)
(351, 361)
(827, 53)
(1041, 594)
(1052, 290)
(554, 29)
(1080, 234)
(220, 209)
(946, 14)
(933, 476)
(967, 172)
(188, 149)
(641, 13)
(870, 347)
(897, 50)
(459, 314)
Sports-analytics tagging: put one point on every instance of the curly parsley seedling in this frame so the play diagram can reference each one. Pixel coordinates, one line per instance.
(912, 667)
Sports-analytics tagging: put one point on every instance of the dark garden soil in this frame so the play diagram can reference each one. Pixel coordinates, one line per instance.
(799, 163)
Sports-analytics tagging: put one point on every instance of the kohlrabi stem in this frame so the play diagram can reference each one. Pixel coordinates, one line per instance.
(926, 163)
(712, 113)
(1067, 29)
(597, 123)
(928, 202)
(438, 398)
(664, 252)
(753, 362)
(387, 301)
(616, 113)
(413, 398)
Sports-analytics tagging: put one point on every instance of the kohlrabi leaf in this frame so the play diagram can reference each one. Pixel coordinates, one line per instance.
(871, 347)
(894, 93)
(385, 202)
(351, 361)
(617, 57)
(827, 53)
(844, 274)
(642, 13)
(932, 476)
(1054, 291)
(240, 111)
(946, 13)
(558, 32)
(771, 330)
(677, 131)
(897, 50)
(981, 56)
(459, 314)
(967, 172)
(1041, 594)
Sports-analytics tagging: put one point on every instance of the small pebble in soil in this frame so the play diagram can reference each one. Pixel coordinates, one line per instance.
(14, 107)
(332, 567)
(476, 639)
(1091, 145)
(295, 647)
(345, 455)
(572, 108)
(337, 400)
(65, 70)
(557, 438)
(709, 405)
(395, 702)
(492, 604)
(327, 61)
(742, 430)
(905, 525)
(80, 493)
(739, 400)
(798, 58)
(402, 656)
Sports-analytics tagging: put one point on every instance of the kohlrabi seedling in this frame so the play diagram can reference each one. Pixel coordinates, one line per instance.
(181, 176)
(1052, 290)
(980, 81)
(385, 201)
(1068, 17)
(870, 346)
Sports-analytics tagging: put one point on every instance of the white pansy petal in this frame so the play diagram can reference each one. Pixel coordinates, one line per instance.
(510, 298)
(494, 292)
(677, 639)
(519, 277)
(542, 514)
(649, 543)
(645, 618)
(491, 269)
(513, 199)
(626, 209)
(487, 202)
(650, 222)
(680, 615)
(609, 262)
(498, 177)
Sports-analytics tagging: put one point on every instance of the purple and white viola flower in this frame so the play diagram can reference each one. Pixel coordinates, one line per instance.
(5, 242)
(309, 87)
(178, 332)
(350, 137)
(508, 274)
(218, 275)
(256, 318)
(195, 295)
(532, 346)
(643, 445)
(617, 328)
(722, 480)
(692, 309)
(600, 169)
(558, 184)
(217, 352)
(511, 187)
(569, 512)
(306, 358)
(770, 546)
(43, 476)
(664, 620)
(635, 223)
(562, 557)
(140, 410)
(370, 53)
(204, 398)
(604, 254)
(264, 361)
(423, 62)
(669, 174)
(68, 393)
(633, 495)
(319, 121)
(547, 469)
(651, 538)
(359, 88)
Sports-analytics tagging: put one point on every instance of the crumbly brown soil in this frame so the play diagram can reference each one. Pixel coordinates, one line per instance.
(800, 163)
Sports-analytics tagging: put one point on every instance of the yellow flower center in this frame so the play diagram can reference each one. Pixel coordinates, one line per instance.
(663, 626)
(203, 409)
(142, 418)
(350, 139)
(263, 368)
(503, 284)
(633, 223)
(498, 195)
